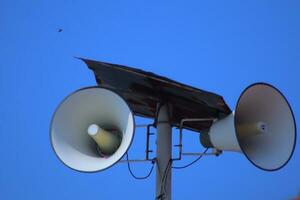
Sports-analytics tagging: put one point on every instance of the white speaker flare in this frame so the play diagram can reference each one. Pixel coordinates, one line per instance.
(262, 127)
(92, 129)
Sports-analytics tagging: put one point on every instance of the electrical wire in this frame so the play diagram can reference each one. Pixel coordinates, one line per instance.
(161, 196)
(166, 173)
(185, 166)
(136, 177)
(166, 177)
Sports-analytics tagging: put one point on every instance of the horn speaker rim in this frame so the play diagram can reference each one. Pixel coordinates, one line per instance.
(293, 117)
(52, 119)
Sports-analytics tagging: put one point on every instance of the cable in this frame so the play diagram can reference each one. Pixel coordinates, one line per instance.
(136, 177)
(166, 177)
(185, 166)
(163, 182)
(161, 195)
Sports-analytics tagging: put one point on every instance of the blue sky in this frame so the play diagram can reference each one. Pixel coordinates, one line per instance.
(218, 46)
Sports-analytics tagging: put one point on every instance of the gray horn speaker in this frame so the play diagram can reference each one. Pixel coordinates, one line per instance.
(262, 127)
(92, 129)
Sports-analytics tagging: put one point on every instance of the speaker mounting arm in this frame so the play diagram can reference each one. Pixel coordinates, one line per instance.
(137, 160)
(180, 146)
(215, 152)
(147, 151)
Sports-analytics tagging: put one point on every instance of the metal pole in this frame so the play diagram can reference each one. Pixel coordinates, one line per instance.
(163, 154)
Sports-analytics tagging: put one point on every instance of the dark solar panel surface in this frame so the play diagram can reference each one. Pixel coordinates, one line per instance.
(144, 91)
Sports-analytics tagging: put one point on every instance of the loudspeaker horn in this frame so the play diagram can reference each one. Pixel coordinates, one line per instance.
(262, 127)
(92, 129)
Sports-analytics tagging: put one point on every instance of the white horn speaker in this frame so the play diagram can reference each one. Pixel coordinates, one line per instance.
(262, 127)
(92, 129)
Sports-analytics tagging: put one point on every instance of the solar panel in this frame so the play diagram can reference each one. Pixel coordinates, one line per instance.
(145, 91)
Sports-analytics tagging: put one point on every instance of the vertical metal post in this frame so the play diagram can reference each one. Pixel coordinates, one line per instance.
(163, 154)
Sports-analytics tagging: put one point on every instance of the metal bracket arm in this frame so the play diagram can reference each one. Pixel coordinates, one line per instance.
(180, 146)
